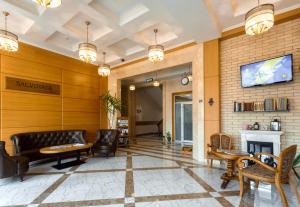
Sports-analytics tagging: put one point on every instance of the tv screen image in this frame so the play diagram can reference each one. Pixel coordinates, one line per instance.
(267, 72)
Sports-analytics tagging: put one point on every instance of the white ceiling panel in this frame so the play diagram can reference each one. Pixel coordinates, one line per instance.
(124, 28)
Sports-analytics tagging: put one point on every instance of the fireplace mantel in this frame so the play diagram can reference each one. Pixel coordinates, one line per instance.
(262, 136)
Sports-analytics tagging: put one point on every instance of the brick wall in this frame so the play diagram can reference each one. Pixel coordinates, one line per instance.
(281, 39)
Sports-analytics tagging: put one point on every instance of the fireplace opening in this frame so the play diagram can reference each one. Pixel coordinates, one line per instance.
(254, 147)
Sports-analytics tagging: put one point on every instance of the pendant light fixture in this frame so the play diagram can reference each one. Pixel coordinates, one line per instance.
(132, 87)
(87, 51)
(259, 19)
(156, 52)
(104, 69)
(48, 3)
(8, 40)
(156, 82)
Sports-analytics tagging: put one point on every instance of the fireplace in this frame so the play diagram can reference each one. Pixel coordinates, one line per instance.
(255, 147)
(266, 141)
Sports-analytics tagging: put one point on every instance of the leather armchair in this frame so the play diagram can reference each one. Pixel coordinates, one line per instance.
(106, 142)
(12, 165)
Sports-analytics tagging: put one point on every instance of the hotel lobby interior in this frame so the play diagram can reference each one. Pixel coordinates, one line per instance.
(149, 103)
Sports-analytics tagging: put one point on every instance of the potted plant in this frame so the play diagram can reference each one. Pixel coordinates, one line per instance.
(169, 137)
(111, 104)
(296, 164)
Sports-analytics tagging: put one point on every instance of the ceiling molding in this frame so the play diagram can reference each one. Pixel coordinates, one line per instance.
(279, 18)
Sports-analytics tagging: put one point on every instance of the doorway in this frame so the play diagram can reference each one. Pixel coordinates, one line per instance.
(182, 117)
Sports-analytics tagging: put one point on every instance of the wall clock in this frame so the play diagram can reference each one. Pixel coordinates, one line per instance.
(185, 80)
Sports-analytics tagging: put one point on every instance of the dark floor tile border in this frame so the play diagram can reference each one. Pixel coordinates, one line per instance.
(84, 203)
(160, 152)
(44, 173)
(99, 171)
(156, 168)
(160, 148)
(224, 202)
(129, 185)
(172, 197)
(160, 157)
(50, 189)
(199, 180)
(129, 205)
(53, 187)
(229, 193)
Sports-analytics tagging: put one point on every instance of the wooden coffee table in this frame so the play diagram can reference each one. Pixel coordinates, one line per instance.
(62, 150)
(231, 156)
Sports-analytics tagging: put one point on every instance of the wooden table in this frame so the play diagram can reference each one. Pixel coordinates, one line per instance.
(62, 150)
(231, 156)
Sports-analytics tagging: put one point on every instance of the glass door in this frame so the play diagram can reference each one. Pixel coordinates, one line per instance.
(183, 122)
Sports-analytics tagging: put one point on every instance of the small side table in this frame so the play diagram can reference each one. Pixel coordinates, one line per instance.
(231, 156)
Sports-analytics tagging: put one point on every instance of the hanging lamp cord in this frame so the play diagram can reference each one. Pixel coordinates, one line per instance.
(155, 33)
(104, 53)
(87, 32)
(5, 21)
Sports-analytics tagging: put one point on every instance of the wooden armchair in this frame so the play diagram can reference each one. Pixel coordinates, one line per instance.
(217, 141)
(263, 172)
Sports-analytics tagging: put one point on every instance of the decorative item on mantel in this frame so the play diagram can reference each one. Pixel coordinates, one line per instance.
(256, 126)
(275, 124)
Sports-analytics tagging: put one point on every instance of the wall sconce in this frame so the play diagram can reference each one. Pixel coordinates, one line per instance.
(211, 101)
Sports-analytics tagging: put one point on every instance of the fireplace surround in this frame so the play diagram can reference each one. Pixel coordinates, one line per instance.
(263, 139)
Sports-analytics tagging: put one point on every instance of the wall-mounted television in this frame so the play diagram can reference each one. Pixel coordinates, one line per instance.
(266, 72)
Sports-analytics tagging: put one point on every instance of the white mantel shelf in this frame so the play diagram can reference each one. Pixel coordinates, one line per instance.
(261, 132)
(262, 136)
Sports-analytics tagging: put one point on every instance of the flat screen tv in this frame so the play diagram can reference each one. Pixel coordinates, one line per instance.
(266, 72)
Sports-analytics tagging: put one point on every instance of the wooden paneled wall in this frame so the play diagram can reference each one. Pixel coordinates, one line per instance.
(77, 106)
(211, 88)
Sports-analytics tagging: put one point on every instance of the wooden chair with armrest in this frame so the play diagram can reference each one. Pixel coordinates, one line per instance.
(260, 171)
(217, 141)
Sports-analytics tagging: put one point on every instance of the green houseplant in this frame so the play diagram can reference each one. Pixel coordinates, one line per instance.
(296, 164)
(112, 105)
(169, 137)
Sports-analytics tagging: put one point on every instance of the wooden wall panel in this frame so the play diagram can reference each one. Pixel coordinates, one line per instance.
(83, 105)
(211, 89)
(103, 115)
(13, 118)
(29, 69)
(38, 55)
(79, 79)
(80, 118)
(72, 91)
(30, 102)
(77, 107)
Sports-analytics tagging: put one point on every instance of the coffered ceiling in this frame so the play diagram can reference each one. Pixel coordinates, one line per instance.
(124, 28)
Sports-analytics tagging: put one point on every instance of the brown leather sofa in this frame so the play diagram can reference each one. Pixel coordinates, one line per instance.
(12, 165)
(106, 142)
(29, 144)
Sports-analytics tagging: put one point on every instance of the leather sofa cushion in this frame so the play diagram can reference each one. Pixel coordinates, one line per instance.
(29, 144)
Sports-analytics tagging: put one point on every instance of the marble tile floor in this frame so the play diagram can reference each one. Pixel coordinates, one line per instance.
(147, 174)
